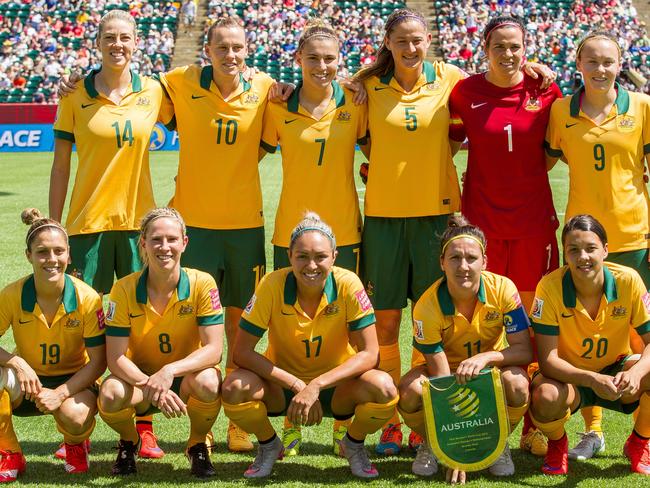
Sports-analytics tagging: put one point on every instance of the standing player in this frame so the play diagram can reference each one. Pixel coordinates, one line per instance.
(110, 118)
(164, 342)
(582, 317)
(460, 326)
(57, 323)
(506, 192)
(317, 129)
(603, 132)
(321, 355)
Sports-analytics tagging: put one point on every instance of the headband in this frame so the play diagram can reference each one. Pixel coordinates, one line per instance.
(316, 33)
(298, 232)
(402, 17)
(33, 231)
(487, 34)
(463, 236)
(597, 36)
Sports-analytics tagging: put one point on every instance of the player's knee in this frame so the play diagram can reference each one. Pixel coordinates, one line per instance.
(546, 399)
(112, 395)
(516, 389)
(75, 419)
(205, 386)
(410, 396)
(384, 390)
(236, 388)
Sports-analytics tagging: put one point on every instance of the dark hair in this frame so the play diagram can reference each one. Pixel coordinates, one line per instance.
(384, 62)
(585, 223)
(502, 21)
(227, 21)
(458, 225)
(37, 224)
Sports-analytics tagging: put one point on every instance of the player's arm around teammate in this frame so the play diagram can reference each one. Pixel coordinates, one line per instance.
(321, 354)
(165, 339)
(582, 315)
(459, 327)
(57, 323)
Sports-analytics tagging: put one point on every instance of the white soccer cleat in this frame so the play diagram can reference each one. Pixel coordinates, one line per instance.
(425, 463)
(503, 466)
(591, 443)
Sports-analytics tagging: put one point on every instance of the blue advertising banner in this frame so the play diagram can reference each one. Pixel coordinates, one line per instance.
(39, 137)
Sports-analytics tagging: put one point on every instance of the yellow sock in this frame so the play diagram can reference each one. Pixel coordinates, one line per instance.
(642, 424)
(341, 423)
(635, 414)
(553, 430)
(593, 418)
(251, 417)
(148, 419)
(122, 422)
(69, 438)
(370, 417)
(8, 439)
(202, 416)
(415, 420)
(515, 414)
(389, 361)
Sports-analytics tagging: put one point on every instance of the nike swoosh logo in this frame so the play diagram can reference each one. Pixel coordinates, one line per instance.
(135, 316)
(86, 105)
(570, 125)
(285, 313)
(25, 322)
(567, 315)
(195, 97)
(477, 105)
(289, 121)
(379, 88)
(447, 328)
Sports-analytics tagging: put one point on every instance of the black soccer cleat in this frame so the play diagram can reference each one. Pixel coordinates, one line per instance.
(200, 465)
(125, 462)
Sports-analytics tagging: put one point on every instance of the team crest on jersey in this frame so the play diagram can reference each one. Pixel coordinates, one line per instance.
(646, 301)
(538, 306)
(185, 310)
(344, 116)
(492, 315)
(214, 299)
(251, 98)
(101, 320)
(418, 329)
(364, 301)
(251, 304)
(433, 86)
(619, 312)
(533, 104)
(143, 102)
(110, 313)
(331, 309)
(626, 122)
(72, 323)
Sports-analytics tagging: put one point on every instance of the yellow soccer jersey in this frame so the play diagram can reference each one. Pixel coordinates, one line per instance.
(156, 340)
(412, 172)
(58, 348)
(112, 188)
(218, 182)
(438, 326)
(606, 164)
(307, 347)
(585, 343)
(317, 163)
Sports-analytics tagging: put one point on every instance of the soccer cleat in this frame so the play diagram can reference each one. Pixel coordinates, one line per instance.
(503, 466)
(357, 456)
(534, 442)
(200, 465)
(9, 382)
(60, 452)
(415, 441)
(125, 462)
(637, 450)
(425, 463)
(11, 465)
(267, 455)
(557, 457)
(390, 442)
(76, 458)
(209, 441)
(337, 437)
(591, 443)
(291, 440)
(149, 447)
(237, 439)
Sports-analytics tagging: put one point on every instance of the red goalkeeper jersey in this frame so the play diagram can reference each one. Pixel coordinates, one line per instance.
(506, 190)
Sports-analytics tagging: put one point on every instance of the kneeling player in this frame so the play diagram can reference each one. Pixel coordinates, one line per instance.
(164, 340)
(322, 349)
(582, 316)
(57, 323)
(460, 326)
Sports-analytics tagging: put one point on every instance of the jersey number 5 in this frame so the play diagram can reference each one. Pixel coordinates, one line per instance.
(410, 118)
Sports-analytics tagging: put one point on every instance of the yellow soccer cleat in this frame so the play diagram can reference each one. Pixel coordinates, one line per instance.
(237, 439)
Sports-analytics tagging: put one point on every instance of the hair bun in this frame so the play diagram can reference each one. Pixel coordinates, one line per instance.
(457, 221)
(30, 215)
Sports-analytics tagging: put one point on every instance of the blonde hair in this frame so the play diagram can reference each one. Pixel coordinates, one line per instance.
(226, 21)
(600, 34)
(155, 214)
(312, 222)
(37, 224)
(316, 28)
(116, 14)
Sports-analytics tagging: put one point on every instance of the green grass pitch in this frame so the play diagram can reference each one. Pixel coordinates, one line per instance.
(24, 183)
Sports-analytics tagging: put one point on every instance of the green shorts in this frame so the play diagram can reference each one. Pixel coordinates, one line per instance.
(588, 397)
(347, 257)
(325, 399)
(98, 257)
(400, 258)
(234, 257)
(637, 260)
(28, 408)
(176, 388)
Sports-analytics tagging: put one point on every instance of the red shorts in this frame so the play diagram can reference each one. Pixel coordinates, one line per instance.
(524, 261)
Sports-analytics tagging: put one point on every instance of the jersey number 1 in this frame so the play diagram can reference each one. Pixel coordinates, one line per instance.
(508, 129)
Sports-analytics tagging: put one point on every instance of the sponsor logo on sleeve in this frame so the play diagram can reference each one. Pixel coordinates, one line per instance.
(508, 324)
(538, 306)
(251, 304)
(646, 301)
(101, 320)
(364, 301)
(214, 299)
(418, 329)
(110, 314)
